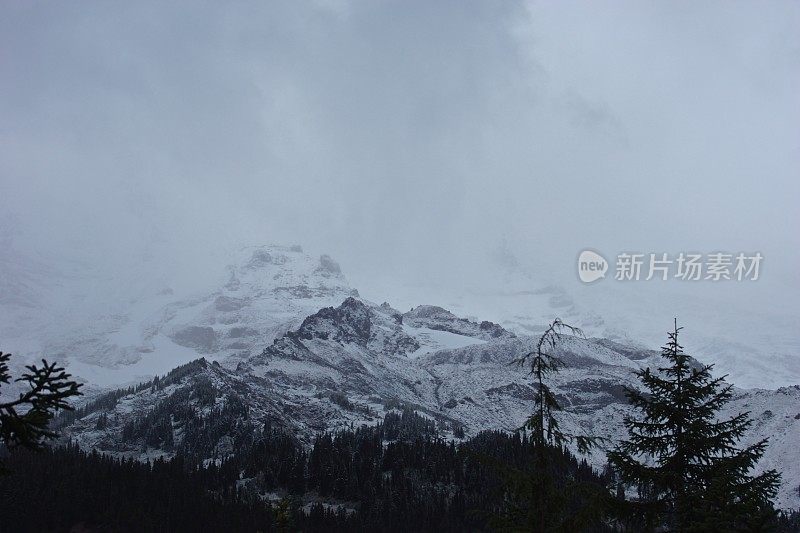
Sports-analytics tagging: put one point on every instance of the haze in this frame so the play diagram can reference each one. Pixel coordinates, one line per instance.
(415, 142)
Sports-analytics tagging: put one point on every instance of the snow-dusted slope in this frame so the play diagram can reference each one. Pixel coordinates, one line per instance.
(354, 362)
(109, 335)
(747, 338)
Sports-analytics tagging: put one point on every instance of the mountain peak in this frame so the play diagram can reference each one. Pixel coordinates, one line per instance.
(350, 322)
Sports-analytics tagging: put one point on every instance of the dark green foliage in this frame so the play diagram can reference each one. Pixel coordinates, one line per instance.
(25, 421)
(541, 498)
(788, 522)
(684, 461)
(418, 483)
(102, 422)
(107, 401)
(192, 421)
(543, 424)
(60, 488)
(407, 425)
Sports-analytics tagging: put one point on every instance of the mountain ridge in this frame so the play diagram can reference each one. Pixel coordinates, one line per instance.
(355, 363)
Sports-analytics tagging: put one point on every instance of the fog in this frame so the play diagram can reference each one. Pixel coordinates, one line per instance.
(413, 141)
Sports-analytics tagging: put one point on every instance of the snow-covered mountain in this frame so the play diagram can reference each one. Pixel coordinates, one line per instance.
(146, 330)
(114, 330)
(353, 363)
(285, 339)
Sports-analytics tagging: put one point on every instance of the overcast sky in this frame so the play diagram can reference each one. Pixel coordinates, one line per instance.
(407, 138)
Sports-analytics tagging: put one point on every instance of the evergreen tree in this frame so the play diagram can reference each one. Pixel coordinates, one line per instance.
(545, 496)
(543, 424)
(684, 460)
(25, 420)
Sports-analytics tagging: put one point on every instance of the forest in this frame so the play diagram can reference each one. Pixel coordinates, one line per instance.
(394, 476)
(415, 482)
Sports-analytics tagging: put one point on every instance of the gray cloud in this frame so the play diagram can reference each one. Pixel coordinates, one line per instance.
(406, 138)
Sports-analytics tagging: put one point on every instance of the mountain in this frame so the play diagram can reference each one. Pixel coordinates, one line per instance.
(281, 338)
(738, 326)
(109, 334)
(118, 326)
(354, 363)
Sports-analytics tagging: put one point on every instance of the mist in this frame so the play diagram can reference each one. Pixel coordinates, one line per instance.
(415, 142)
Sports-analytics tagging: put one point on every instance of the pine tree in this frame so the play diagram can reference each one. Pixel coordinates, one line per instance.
(683, 459)
(546, 495)
(543, 424)
(25, 421)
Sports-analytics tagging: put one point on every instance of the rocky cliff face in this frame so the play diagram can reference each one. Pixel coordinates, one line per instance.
(440, 319)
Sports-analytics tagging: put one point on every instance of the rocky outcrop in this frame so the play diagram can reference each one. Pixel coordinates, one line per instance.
(348, 323)
(438, 318)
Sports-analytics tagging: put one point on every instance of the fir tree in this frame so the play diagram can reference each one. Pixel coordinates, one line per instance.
(545, 496)
(543, 424)
(25, 420)
(684, 460)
